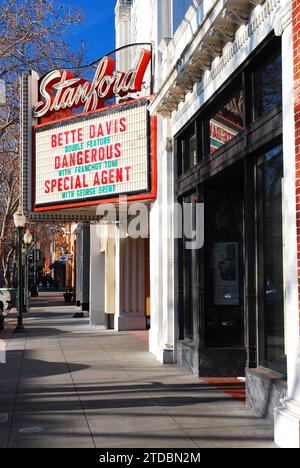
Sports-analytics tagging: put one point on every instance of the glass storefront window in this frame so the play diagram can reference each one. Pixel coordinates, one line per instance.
(224, 279)
(180, 7)
(270, 260)
(188, 273)
(227, 122)
(187, 151)
(268, 85)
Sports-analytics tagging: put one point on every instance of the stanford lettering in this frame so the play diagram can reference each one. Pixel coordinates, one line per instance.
(59, 90)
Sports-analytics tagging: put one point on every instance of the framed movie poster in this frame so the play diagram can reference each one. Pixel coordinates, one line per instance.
(226, 273)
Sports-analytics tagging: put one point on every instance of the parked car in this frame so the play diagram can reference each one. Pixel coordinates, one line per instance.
(3, 308)
(10, 296)
(3, 304)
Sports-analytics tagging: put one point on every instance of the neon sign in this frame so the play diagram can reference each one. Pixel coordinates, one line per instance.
(61, 91)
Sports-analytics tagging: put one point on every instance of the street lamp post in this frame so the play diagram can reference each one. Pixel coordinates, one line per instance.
(27, 241)
(19, 221)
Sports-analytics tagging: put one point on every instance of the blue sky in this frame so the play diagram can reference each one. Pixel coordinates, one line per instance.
(98, 28)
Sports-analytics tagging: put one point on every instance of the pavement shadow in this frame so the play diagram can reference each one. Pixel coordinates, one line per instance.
(102, 397)
(40, 332)
(36, 368)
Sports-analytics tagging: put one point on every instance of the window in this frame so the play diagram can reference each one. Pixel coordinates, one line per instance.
(268, 85)
(227, 121)
(187, 151)
(180, 7)
(270, 261)
(188, 274)
(236, 279)
(224, 259)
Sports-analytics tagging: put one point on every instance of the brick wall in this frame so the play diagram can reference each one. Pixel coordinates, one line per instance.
(296, 41)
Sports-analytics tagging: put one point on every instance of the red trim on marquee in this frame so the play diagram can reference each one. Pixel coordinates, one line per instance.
(103, 109)
(149, 196)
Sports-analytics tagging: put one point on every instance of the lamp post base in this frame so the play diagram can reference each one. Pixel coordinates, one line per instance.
(19, 329)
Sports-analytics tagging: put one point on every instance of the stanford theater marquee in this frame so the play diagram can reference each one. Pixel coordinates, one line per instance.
(80, 148)
(89, 142)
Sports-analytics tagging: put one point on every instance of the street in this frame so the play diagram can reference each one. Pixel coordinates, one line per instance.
(66, 384)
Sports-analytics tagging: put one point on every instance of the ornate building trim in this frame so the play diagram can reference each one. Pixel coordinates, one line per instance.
(220, 37)
(282, 19)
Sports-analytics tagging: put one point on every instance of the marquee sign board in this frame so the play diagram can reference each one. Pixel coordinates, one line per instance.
(98, 156)
(80, 151)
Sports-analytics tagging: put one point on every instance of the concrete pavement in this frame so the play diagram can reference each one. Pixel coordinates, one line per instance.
(68, 385)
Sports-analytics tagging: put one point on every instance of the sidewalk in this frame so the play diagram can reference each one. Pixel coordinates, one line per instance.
(67, 385)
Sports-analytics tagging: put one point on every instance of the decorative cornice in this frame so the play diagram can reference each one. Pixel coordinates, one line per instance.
(282, 20)
(224, 30)
(217, 48)
(238, 15)
(241, 39)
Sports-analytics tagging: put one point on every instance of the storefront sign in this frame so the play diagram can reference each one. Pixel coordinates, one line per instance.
(219, 135)
(93, 157)
(227, 121)
(60, 90)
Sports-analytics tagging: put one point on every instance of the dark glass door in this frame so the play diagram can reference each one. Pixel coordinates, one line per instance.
(224, 260)
(188, 274)
(270, 260)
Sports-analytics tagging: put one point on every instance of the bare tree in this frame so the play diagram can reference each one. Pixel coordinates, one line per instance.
(9, 200)
(31, 37)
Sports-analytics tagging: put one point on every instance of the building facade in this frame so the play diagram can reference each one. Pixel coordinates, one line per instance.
(225, 75)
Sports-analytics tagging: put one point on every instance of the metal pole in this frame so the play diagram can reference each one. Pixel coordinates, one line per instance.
(34, 267)
(26, 268)
(32, 249)
(20, 327)
(27, 282)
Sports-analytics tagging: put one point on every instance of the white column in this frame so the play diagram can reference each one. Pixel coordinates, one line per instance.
(162, 254)
(123, 34)
(85, 242)
(168, 242)
(141, 298)
(287, 416)
(129, 316)
(110, 271)
(156, 265)
(118, 276)
(125, 271)
(97, 279)
(79, 261)
(161, 337)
